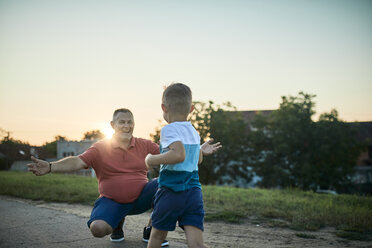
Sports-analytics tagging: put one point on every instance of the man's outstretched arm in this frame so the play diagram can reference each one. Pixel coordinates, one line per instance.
(41, 167)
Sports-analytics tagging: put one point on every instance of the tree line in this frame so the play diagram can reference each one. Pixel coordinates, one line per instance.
(286, 148)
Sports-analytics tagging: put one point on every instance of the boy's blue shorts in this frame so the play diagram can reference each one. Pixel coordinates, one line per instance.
(186, 207)
(113, 212)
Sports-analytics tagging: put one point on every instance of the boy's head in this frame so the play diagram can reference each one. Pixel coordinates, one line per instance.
(177, 100)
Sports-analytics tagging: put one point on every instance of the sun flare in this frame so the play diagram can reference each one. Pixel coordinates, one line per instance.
(108, 132)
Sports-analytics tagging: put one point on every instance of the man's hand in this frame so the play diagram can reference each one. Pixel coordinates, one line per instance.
(208, 148)
(38, 167)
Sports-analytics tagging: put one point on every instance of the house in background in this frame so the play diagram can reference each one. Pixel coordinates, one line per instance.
(67, 148)
(362, 178)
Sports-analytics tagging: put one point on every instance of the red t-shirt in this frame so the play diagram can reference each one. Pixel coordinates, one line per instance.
(121, 173)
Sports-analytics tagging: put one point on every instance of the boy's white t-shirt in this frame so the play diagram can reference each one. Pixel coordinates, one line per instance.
(184, 175)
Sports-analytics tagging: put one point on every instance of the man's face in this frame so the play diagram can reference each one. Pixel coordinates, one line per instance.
(123, 124)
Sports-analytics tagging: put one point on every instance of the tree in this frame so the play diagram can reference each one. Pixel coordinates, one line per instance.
(230, 165)
(12, 150)
(156, 136)
(93, 135)
(289, 149)
(336, 151)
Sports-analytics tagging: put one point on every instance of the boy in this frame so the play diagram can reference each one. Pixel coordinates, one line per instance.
(179, 197)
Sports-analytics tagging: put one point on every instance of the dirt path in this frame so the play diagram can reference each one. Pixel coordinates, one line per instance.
(218, 234)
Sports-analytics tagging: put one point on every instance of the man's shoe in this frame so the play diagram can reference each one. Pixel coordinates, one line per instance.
(146, 236)
(118, 235)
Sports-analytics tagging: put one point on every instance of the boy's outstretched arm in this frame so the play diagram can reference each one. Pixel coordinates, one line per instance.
(175, 155)
(209, 147)
(200, 157)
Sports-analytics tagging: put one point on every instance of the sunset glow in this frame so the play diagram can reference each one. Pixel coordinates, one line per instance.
(65, 66)
(107, 131)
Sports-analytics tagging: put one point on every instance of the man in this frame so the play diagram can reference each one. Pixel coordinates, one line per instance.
(119, 164)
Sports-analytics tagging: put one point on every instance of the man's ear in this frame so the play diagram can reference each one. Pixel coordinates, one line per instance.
(164, 108)
(112, 124)
(192, 108)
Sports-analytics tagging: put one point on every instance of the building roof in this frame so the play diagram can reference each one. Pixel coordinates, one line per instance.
(364, 130)
(250, 115)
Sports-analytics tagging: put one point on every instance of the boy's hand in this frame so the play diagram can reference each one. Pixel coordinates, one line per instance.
(208, 148)
(147, 161)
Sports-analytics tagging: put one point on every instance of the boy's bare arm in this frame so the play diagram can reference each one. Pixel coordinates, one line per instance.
(176, 154)
(200, 157)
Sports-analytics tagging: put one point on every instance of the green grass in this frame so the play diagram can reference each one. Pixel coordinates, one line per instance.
(50, 188)
(302, 210)
(350, 214)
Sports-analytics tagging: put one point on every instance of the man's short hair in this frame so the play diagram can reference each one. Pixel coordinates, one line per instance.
(177, 98)
(121, 110)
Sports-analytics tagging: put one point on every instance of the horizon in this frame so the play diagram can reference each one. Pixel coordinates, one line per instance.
(108, 131)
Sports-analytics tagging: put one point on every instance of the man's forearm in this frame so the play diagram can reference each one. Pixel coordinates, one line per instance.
(67, 164)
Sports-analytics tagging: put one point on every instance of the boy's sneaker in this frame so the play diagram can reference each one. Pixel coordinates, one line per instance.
(118, 235)
(146, 236)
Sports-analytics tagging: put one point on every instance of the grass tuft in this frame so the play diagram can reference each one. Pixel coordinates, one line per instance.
(361, 236)
(228, 216)
(305, 236)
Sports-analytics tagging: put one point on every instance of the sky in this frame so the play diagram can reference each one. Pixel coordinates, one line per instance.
(65, 66)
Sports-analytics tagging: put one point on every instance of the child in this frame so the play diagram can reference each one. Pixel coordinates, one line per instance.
(179, 197)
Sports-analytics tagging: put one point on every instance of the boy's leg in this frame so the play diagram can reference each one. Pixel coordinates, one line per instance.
(194, 237)
(144, 203)
(157, 237)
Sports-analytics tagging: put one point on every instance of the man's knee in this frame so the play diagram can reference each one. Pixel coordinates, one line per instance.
(100, 228)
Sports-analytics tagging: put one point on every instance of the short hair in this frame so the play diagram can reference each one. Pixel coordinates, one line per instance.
(121, 110)
(177, 98)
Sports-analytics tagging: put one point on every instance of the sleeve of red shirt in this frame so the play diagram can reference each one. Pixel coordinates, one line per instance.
(153, 148)
(90, 156)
